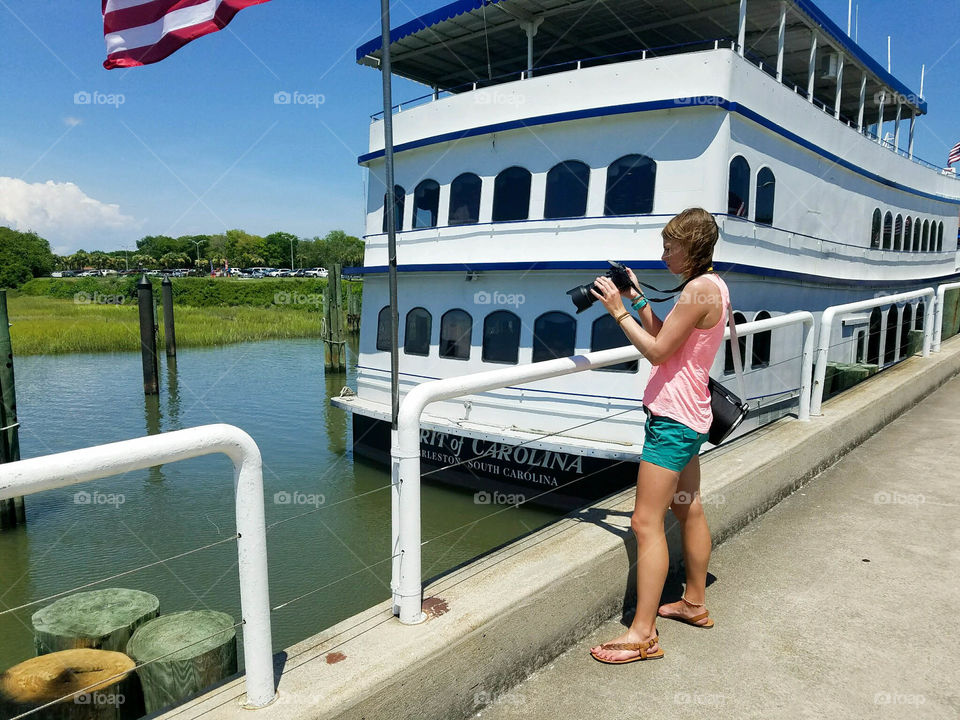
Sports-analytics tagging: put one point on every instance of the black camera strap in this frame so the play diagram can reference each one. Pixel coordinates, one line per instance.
(670, 293)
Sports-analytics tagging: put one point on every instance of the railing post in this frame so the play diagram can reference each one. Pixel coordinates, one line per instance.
(806, 370)
(405, 471)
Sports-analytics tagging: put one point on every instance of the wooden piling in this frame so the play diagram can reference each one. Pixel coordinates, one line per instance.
(12, 511)
(335, 350)
(148, 337)
(61, 676)
(169, 334)
(102, 619)
(189, 651)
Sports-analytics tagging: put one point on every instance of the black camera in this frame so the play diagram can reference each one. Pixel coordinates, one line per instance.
(583, 298)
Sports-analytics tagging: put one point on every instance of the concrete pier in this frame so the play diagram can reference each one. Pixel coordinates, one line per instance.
(805, 627)
(830, 605)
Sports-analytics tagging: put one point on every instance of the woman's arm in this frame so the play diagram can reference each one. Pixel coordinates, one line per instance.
(692, 306)
(648, 318)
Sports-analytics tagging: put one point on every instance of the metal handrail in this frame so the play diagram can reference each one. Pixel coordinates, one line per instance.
(406, 584)
(826, 327)
(938, 313)
(48, 472)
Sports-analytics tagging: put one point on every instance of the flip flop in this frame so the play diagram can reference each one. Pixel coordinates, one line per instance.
(642, 647)
(695, 620)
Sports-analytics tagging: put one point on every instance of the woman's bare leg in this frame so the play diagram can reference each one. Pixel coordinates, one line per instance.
(688, 508)
(655, 490)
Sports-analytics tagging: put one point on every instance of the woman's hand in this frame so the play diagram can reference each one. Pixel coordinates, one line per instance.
(630, 293)
(609, 295)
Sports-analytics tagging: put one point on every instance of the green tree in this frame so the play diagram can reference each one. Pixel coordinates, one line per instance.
(23, 255)
(99, 259)
(244, 249)
(338, 247)
(142, 260)
(278, 248)
(174, 260)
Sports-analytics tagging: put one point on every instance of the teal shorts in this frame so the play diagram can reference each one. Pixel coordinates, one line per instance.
(669, 443)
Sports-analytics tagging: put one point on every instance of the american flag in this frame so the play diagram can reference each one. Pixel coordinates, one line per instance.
(139, 32)
(954, 155)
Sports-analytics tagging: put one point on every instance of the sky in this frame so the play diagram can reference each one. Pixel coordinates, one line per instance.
(196, 144)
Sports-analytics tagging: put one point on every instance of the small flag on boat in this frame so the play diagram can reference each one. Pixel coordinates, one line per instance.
(954, 155)
(139, 32)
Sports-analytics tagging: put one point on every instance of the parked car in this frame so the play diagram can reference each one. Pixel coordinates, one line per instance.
(279, 272)
(317, 272)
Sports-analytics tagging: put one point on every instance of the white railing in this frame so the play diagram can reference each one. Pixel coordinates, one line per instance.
(48, 472)
(405, 441)
(938, 316)
(826, 328)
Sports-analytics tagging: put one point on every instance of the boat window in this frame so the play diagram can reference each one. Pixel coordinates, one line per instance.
(861, 343)
(554, 334)
(890, 346)
(728, 367)
(738, 190)
(761, 343)
(605, 334)
(917, 226)
(465, 200)
(567, 184)
(873, 339)
(766, 191)
(875, 229)
(511, 195)
(426, 204)
(940, 236)
(630, 185)
(456, 327)
(908, 233)
(416, 336)
(925, 238)
(501, 337)
(920, 316)
(383, 329)
(399, 195)
(898, 232)
(906, 320)
(887, 229)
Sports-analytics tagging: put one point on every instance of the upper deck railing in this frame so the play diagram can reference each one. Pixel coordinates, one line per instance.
(643, 54)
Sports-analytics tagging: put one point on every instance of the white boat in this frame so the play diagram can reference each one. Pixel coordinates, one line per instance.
(558, 134)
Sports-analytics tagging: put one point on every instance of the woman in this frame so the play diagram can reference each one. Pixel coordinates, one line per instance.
(681, 349)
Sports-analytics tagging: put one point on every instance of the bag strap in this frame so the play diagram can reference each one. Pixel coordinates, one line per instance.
(735, 351)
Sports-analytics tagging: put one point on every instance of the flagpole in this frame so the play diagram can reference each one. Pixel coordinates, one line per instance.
(390, 209)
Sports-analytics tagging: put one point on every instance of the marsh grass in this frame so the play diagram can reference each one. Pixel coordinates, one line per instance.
(43, 325)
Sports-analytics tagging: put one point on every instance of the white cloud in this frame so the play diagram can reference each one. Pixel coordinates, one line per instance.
(60, 212)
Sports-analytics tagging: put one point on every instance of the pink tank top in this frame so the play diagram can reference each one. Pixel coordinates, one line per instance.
(678, 388)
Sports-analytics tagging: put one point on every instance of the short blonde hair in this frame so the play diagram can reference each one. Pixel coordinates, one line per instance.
(696, 232)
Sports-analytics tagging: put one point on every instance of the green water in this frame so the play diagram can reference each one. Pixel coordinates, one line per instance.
(277, 392)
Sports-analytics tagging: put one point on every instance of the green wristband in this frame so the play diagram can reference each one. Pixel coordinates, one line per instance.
(639, 303)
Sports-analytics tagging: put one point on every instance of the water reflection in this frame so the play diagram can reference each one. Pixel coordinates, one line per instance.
(173, 395)
(153, 420)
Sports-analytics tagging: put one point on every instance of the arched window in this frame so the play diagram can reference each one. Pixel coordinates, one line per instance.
(567, 184)
(426, 204)
(761, 343)
(383, 329)
(887, 230)
(416, 337)
(898, 232)
(738, 189)
(875, 229)
(925, 237)
(906, 320)
(890, 345)
(554, 334)
(606, 334)
(456, 327)
(465, 200)
(501, 337)
(630, 184)
(920, 315)
(511, 195)
(873, 338)
(766, 192)
(399, 195)
(940, 236)
(917, 227)
(908, 234)
(728, 366)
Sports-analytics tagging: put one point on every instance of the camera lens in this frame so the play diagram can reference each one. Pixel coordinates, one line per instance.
(581, 296)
